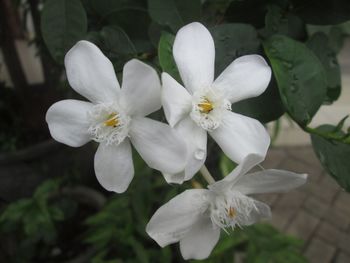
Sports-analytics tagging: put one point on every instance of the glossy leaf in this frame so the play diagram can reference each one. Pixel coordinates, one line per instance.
(165, 55)
(63, 23)
(320, 45)
(233, 41)
(265, 108)
(174, 13)
(116, 41)
(322, 12)
(334, 156)
(280, 21)
(300, 77)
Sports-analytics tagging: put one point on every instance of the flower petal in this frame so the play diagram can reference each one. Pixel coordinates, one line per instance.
(230, 180)
(194, 54)
(196, 142)
(114, 166)
(239, 136)
(140, 93)
(261, 212)
(199, 242)
(269, 181)
(173, 220)
(159, 145)
(68, 124)
(90, 73)
(176, 100)
(247, 76)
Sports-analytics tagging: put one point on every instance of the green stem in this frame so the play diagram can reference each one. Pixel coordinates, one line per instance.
(206, 175)
(325, 135)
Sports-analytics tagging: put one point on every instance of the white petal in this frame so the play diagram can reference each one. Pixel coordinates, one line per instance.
(269, 181)
(199, 242)
(140, 93)
(90, 73)
(194, 54)
(239, 136)
(173, 220)
(68, 124)
(176, 100)
(114, 166)
(196, 142)
(250, 161)
(159, 145)
(247, 76)
(261, 212)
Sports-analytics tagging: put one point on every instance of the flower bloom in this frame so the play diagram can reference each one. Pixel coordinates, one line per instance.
(195, 217)
(204, 105)
(115, 117)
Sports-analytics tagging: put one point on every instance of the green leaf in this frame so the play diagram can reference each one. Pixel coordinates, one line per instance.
(265, 108)
(247, 11)
(116, 42)
(165, 55)
(104, 8)
(300, 77)
(334, 156)
(319, 43)
(279, 21)
(226, 165)
(174, 13)
(63, 23)
(232, 41)
(322, 12)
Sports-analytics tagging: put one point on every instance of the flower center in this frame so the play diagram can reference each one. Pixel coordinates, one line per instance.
(208, 106)
(108, 123)
(205, 106)
(231, 209)
(231, 212)
(112, 121)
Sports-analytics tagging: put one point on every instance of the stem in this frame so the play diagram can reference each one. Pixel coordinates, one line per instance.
(206, 175)
(9, 27)
(325, 135)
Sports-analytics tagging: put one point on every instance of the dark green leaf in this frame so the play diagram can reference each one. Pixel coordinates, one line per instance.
(247, 11)
(104, 8)
(334, 156)
(116, 42)
(279, 21)
(232, 41)
(322, 12)
(300, 77)
(174, 13)
(165, 55)
(226, 165)
(320, 45)
(63, 23)
(265, 108)
(134, 21)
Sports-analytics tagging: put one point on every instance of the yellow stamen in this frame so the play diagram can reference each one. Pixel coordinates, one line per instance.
(231, 212)
(205, 106)
(112, 120)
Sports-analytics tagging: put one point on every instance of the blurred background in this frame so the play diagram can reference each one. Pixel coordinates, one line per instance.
(52, 208)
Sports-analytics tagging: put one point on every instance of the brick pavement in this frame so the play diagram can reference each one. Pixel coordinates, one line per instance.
(318, 212)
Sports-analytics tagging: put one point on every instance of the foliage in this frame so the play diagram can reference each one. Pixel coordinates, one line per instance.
(116, 232)
(33, 220)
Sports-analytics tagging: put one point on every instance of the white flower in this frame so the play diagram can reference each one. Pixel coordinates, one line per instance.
(195, 217)
(115, 117)
(204, 105)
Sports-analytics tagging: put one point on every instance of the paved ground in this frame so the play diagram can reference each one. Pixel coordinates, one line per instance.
(318, 213)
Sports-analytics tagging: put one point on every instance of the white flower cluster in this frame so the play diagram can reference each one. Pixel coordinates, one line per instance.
(115, 117)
